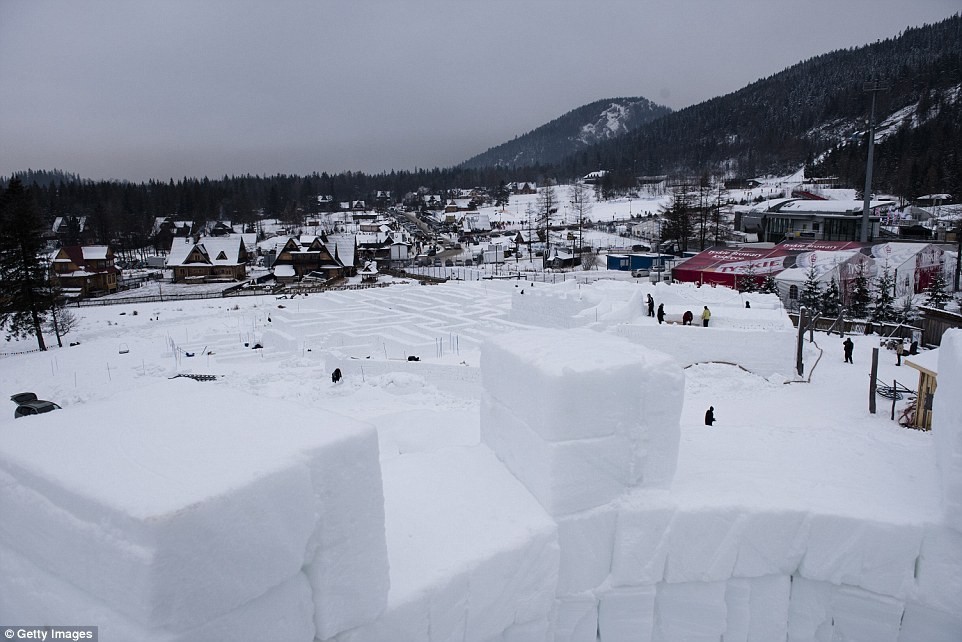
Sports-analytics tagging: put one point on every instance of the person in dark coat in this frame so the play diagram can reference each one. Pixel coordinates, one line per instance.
(336, 375)
(687, 317)
(848, 346)
(710, 416)
(651, 306)
(661, 313)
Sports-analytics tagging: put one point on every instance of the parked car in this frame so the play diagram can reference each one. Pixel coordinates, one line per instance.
(28, 404)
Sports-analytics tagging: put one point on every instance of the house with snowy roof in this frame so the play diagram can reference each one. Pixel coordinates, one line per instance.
(209, 259)
(525, 187)
(82, 271)
(818, 220)
(381, 243)
(73, 230)
(306, 256)
(594, 178)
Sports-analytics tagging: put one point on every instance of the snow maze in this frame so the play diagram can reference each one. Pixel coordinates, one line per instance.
(560, 525)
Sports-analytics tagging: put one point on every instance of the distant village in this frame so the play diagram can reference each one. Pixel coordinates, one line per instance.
(785, 233)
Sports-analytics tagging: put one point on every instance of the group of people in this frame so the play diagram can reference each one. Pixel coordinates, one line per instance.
(686, 318)
(900, 350)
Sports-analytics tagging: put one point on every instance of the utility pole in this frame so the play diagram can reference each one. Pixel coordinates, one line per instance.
(873, 87)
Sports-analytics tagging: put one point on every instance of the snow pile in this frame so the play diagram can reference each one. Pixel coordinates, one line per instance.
(168, 521)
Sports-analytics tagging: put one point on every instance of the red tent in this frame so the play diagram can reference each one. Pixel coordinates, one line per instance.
(723, 265)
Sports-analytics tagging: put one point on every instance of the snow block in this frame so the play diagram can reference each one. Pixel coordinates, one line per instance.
(600, 413)
(696, 612)
(348, 570)
(875, 556)
(947, 426)
(578, 384)
(627, 614)
(641, 539)
(757, 609)
(861, 615)
(771, 543)
(920, 623)
(576, 619)
(586, 540)
(566, 477)
(703, 545)
(472, 554)
(32, 595)
(174, 523)
(810, 611)
(824, 612)
(535, 631)
(940, 569)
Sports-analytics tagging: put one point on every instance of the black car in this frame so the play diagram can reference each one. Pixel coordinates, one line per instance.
(28, 404)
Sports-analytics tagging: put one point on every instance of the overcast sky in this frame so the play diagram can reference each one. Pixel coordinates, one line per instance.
(139, 89)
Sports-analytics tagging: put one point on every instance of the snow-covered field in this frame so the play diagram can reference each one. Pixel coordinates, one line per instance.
(798, 514)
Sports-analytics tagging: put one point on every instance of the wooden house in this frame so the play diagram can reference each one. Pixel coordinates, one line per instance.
(82, 271)
(209, 259)
(306, 256)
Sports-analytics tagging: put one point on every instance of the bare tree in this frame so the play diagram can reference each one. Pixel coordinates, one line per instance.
(547, 206)
(61, 321)
(581, 208)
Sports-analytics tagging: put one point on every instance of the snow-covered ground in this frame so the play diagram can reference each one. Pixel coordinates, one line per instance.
(471, 553)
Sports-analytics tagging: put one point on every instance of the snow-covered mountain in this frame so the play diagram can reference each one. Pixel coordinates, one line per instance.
(576, 130)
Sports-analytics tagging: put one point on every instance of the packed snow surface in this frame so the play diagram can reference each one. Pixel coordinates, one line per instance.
(399, 503)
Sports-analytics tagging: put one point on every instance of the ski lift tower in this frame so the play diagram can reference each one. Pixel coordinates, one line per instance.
(873, 87)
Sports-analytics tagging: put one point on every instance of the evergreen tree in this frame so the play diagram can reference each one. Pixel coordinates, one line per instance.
(679, 215)
(769, 286)
(861, 296)
(936, 296)
(884, 297)
(748, 281)
(811, 292)
(25, 293)
(831, 300)
(501, 195)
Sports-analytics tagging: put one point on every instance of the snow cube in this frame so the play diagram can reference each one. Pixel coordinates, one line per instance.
(174, 521)
(472, 554)
(576, 619)
(627, 614)
(32, 595)
(693, 611)
(757, 609)
(877, 556)
(642, 539)
(580, 419)
(947, 425)
(586, 540)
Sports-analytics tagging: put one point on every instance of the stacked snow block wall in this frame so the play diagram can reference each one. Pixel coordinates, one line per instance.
(267, 523)
(581, 418)
(635, 564)
(772, 353)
